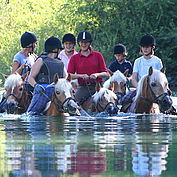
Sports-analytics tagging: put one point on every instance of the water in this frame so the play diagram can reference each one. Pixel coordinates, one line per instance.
(126, 145)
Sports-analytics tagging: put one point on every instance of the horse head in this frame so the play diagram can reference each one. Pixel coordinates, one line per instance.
(154, 89)
(105, 99)
(16, 94)
(63, 95)
(121, 83)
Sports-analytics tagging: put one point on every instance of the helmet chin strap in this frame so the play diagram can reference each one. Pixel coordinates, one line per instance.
(150, 53)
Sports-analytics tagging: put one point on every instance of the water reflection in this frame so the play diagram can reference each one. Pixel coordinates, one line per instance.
(85, 147)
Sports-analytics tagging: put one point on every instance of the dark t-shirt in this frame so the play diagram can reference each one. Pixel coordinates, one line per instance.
(115, 65)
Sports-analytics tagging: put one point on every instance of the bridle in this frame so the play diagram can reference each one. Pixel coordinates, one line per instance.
(19, 100)
(98, 105)
(60, 106)
(156, 99)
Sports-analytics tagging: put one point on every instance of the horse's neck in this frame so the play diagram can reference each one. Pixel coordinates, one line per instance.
(53, 110)
(143, 106)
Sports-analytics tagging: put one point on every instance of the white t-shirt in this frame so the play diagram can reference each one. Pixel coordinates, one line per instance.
(22, 59)
(141, 65)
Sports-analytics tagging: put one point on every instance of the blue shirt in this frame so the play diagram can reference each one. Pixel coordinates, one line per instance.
(115, 65)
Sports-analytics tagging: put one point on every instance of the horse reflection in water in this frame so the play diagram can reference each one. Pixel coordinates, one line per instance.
(152, 90)
(62, 99)
(17, 96)
(104, 100)
(120, 83)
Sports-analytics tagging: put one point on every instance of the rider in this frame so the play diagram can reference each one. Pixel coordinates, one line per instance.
(120, 63)
(87, 66)
(69, 41)
(42, 74)
(142, 64)
(24, 60)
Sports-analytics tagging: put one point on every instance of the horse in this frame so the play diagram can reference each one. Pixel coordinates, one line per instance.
(17, 96)
(121, 85)
(152, 90)
(104, 100)
(62, 101)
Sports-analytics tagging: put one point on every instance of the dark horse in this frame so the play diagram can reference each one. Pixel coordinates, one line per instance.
(152, 94)
(17, 96)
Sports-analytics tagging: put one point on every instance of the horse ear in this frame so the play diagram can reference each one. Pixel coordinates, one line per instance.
(111, 86)
(4, 75)
(98, 86)
(110, 72)
(126, 72)
(150, 71)
(56, 77)
(25, 76)
(69, 78)
(163, 70)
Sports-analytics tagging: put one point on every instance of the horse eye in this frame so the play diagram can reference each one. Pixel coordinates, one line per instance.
(20, 89)
(153, 84)
(57, 92)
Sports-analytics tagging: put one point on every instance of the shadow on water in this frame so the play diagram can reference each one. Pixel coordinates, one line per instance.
(123, 145)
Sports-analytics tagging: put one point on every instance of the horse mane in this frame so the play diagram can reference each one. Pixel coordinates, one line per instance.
(157, 76)
(101, 92)
(63, 84)
(13, 81)
(116, 77)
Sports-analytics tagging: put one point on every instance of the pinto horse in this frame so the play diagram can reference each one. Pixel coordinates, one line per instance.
(17, 96)
(104, 100)
(62, 101)
(120, 83)
(152, 90)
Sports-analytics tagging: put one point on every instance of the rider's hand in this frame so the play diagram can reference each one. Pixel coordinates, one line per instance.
(84, 76)
(93, 76)
(38, 88)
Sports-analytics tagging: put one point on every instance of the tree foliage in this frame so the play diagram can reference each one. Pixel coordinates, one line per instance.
(109, 21)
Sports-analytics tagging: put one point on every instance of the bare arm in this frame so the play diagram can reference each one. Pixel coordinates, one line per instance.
(100, 75)
(134, 79)
(34, 71)
(14, 67)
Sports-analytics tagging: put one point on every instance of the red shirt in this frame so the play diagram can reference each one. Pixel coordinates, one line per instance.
(93, 63)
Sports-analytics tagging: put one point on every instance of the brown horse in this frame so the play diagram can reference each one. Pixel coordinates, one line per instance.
(17, 96)
(104, 100)
(152, 90)
(62, 102)
(120, 83)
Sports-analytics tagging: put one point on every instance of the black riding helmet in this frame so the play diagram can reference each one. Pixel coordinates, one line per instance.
(69, 38)
(120, 49)
(147, 40)
(51, 44)
(84, 36)
(28, 38)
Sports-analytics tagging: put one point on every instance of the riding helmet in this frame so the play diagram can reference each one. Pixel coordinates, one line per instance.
(84, 36)
(28, 38)
(52, 43)
(120, 49)
(147, 40)
(69, 38)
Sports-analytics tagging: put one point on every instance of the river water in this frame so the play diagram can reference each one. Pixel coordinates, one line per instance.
(123, 145)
